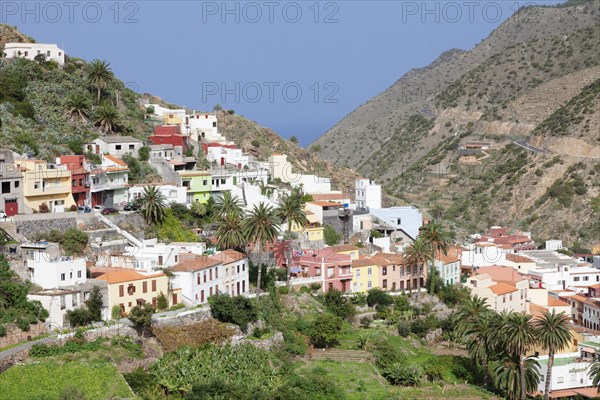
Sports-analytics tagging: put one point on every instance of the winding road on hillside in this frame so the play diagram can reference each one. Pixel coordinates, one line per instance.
(524, 144)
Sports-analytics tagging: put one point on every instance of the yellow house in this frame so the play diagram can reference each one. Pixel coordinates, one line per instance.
(350, 249)
(128, 288)
(365, 275)
(312, 231)
(172, 119)
(46, 183)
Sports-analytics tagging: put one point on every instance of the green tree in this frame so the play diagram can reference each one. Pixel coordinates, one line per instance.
(237, 310)
(260, 228)
(478, 336)
(508, 376)
(144, 153)
(325, 330)
(228, 204)
(161, 302)
(331, 236)
(294, 139)
(438, 239)
(153, 205)
(230, 232)
(100, 75)
(594, 372)
(106, 117)
(418, 253)
(74, 241)
(553, 333)
(519, 336)
(377, 297)
(141, 315)
(94, 304)
(291, 211)
(78, 106)
(337, 304)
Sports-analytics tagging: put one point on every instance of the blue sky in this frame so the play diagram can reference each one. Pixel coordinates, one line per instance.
(296, 67)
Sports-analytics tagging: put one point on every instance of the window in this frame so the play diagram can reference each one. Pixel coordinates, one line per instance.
(214, 124)
(74, 183)
(81, 182)
(154, 285)
(79, 274)
(144, 287)
(358, 273)
(586, 278)
(238, 269)
(204, 274)
(48, 53)
(62, 277)
(131, 147)
(117, 147)
(202, 296)
(384, 271)
(205, 182)
(131, 289)
(576, 279)
(17, 184)
(5, 187)
(121, 290)
(369, 284)
(384, 283)
(560, 379)
(503, 298)
(369, 271)
(210, 274)
(198, 279)
(26, 53)
(216, 273)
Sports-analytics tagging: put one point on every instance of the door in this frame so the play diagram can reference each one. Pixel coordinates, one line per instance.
(222, 160)
(11, 207)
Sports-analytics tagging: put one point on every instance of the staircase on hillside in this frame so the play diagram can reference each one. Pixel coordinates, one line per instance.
(341, 355)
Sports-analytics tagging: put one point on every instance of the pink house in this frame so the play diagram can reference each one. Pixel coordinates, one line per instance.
(335, 270)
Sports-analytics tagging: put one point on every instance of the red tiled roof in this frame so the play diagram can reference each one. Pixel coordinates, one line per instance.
(502, 288)
(501, 274)
(518, 258)
(325, 203)
(196, 264)
(125, 275)
(116, 160)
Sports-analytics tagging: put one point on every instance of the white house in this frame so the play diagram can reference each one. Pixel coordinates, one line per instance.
(280, 168)
(49, 269)
(405, 218)
(57, 302)
(203, 127)
(554, 245)
(31, 50)
(565, 277)
(166, 151)
(367, 194)
(569, 371)
(311, 183)
(200, 277)
(153, 255)
(223, 154)
(448, 266)
(502, 287)
(171, 193)
(115, 145)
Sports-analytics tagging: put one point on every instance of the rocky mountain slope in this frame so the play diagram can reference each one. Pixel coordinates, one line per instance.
(533, 79)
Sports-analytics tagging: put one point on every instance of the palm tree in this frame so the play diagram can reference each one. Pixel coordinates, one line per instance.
(553, 334)
(439, 241)
(469, 312)
(478, 336)
(78, 107)
(507, 375)
(228, 204)
(153, 205)
(291, 210)
(419, 253)
(100, 75)
(106, 116)
(230, 232)
(260, 227)
(518, 334)
(594, 373)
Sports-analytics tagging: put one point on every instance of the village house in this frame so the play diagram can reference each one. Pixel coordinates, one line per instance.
(503, 288)
(401, 224)
(203, 128)
(367, 194)
(366, 275)
(80, 178)
(397, 275)
(170, 135)
(585, 309)
(520, 263)
(448, 265)
(115, 145)
(281, 169)
(154, 255)
(50, 52)
(225, 155)
(48, 268)
(171, 193)
(11, 179)
(128, 288)
(198, 185)
(110, 182)
(333, 270)
(46, 184)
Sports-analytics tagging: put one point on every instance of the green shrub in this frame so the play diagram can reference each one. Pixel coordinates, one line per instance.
(365, 322)
(404, 328)
(2, 330)
(404, 375)
(161, 302)
(23, 324)
(238, 310)
(315, 286)
(79, 317)
(377, 297)
(282, 290)
(359, 299)
(115, 312)
(294, 343)
(433, 370)
(337, 304)
(419, 327)
(325, 330)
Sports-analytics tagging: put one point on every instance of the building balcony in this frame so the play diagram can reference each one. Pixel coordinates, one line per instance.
(108, 186)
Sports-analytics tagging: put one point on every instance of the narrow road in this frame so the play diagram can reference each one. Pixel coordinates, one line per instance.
(524, 144)
(428, 113)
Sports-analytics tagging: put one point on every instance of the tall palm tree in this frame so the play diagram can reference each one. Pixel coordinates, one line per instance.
(230, 232)
(291, 210)
(553, 334)
(594, 373)
(228, 204)
(78, 107)
(106, 116)
(468, 313)
(153, 205)
(507, 376)
(260, 227)
(100, 75)
(519, 335)
(418, 253)
(479, 339)
(439, 240)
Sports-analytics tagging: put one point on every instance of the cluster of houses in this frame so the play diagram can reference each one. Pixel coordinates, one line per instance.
(504, 267)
